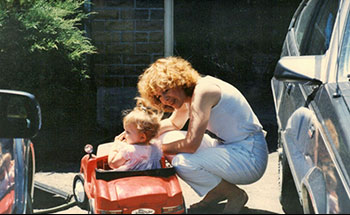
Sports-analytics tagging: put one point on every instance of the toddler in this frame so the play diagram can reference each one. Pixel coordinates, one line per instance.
(134, 149)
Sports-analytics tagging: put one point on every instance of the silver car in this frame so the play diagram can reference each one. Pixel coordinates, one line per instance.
(20, 119)
(311, 91)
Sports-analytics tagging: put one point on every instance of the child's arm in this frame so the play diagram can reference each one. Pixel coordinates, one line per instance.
(115, 158)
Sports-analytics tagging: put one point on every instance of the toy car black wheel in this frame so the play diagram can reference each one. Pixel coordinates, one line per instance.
(79, 192)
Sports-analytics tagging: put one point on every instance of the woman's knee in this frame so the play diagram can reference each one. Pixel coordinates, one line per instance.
(178, 161)
(182, 163)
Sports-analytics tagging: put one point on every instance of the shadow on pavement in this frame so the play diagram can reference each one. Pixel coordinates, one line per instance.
(45, 202)
(220, 207)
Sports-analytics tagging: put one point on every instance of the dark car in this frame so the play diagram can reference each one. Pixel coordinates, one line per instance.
(20, 120)
(311, 91)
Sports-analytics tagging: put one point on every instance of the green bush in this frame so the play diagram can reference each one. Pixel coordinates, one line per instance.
(44, 50)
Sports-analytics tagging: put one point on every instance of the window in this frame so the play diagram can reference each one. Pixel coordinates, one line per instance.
(344, 61)
(321, 28)
(314, 26)
(303, 20)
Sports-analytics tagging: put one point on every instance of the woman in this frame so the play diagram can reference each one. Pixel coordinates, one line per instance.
(171, 84)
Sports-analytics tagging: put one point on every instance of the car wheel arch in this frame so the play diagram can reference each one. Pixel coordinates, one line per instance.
(289, 197)
(314, 192)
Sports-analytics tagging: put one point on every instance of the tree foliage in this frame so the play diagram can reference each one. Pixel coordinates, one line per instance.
(44, 50)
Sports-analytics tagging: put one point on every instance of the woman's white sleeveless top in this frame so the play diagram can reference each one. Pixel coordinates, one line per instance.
(231, 119)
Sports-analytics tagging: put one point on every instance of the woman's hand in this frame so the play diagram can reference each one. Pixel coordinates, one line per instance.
(176, 121)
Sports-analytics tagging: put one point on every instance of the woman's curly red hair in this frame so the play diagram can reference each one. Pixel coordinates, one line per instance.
(166, 73)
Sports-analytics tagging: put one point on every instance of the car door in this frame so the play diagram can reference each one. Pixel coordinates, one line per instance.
(333, 106)
(309, 34)
(298, 104)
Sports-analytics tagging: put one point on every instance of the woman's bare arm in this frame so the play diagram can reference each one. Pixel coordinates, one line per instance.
(204, 98)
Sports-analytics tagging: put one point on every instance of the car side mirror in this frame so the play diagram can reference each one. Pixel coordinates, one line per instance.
(305, 69)
(20, 115)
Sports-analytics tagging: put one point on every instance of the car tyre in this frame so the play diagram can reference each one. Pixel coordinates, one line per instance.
(310, 208)
(289, 198)
(79, 192)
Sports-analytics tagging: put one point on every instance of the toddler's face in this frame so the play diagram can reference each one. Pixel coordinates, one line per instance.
(132, 134)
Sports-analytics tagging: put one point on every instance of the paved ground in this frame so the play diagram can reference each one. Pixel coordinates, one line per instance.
(263, 195)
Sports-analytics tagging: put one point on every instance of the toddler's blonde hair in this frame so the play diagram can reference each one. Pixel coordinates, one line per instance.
(146, 119)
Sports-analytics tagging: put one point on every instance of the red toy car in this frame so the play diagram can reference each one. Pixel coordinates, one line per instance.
(100, 189)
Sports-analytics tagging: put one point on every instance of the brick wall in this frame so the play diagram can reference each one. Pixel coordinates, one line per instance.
(129, 36)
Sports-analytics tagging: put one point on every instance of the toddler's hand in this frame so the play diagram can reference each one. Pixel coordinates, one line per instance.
(120, 137)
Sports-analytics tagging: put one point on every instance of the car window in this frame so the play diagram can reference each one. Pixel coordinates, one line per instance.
(303, 20)
(314, 25)
(321, 28)
(344, 60)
